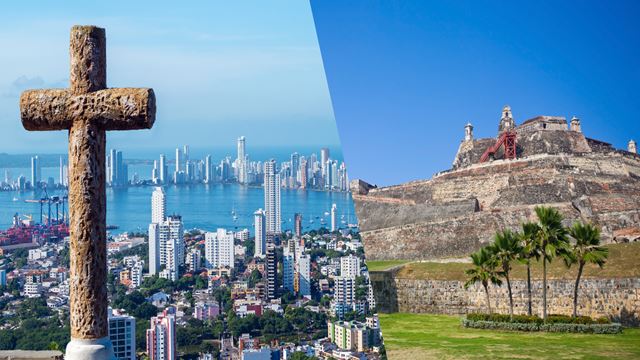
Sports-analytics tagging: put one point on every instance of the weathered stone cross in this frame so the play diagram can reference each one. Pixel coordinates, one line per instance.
(87, 109)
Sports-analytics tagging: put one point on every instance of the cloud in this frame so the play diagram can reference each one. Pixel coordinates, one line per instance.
(24, 82)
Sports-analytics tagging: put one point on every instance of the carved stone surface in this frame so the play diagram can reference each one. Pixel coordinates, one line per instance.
(87, 110)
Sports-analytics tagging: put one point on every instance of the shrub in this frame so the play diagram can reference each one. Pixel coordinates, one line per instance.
(534, 319)
(534, 323)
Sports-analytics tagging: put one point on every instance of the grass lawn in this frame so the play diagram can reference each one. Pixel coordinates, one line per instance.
(424, 336)
(381, 265)
(622, 262)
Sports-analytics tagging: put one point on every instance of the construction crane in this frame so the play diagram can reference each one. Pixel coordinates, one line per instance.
(507, 140)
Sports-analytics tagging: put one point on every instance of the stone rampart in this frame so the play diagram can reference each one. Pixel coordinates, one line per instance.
(617, 299)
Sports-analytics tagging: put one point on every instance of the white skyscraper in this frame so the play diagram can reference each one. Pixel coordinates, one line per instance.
(158, 205)
(163, 169)
(350, 266)
(260, 230)
(304, 275)
(344, 294)
(218, 249)
(272, 198)
(241, 148)
(172, 270)
(122, 333)
(35, 171)
(289, 266)
(208, 178)
(334, 217)
(178, 160)
(154, 248)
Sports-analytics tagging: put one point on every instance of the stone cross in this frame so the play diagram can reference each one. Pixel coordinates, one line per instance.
(87, 109)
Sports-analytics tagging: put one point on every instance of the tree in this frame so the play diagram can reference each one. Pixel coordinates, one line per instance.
(484, 272)
(552, 241)
(528, 240)
(586, 250)
(505, 249)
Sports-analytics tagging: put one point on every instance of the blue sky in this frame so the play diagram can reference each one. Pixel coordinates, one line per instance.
(219, 70)
(405, 77)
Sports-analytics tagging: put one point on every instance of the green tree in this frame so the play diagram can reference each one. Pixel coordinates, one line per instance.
(585, 250)
(506, 248)
(552, 241)
(484, 272)
(528, 240)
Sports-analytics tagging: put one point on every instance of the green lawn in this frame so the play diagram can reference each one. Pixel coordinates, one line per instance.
(424, 336)
(381, 265)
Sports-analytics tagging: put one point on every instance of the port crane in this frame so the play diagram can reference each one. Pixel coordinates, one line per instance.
(57, 201)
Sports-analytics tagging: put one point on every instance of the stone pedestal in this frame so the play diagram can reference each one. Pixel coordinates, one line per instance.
(98, 349)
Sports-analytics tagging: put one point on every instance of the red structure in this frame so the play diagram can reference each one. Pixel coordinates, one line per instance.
(507, 140)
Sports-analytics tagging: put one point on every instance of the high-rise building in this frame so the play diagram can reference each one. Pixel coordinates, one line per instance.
(302, 172)
(185, 152)
(178, 160)
(334, 217)
(158, 205)
(155, 173)
(136, 275)
(62, 176)
(289, 267)
(260, 230)
(218, 249)
(35, 172)
(272, 272)
(161, 336)
(122, 333)
(272, 197)
(172, 264)
(208, 178)
(170, 229)
(193, 260)
(324, 156)
(154, 248)
(241, 148)
(343, 295)
(163, 169)
(295, 166)
(304, 275)
(350, 266)
(297, 225)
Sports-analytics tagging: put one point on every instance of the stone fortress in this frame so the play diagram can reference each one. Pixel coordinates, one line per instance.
(495, 183)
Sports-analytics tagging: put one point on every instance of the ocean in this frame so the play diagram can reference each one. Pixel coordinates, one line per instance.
(202, 206)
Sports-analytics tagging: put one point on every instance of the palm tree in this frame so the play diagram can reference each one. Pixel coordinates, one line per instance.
(484, 271)
(528, 240)
(506, 248)
(586, 249)
(552, 241)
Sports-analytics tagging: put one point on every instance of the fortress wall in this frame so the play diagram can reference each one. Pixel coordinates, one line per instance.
(618, 299)
(456, 237)
(392, 214)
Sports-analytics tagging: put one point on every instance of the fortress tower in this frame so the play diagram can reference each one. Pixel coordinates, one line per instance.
(506, 121)
(575, 124)
(468, 132)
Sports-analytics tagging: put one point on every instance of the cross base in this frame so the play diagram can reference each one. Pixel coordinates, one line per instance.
(94, 349)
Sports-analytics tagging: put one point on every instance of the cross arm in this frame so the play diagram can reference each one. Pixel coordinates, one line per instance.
(110, 109)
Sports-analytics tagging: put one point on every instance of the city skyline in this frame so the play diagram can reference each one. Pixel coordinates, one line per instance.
(268, 57)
